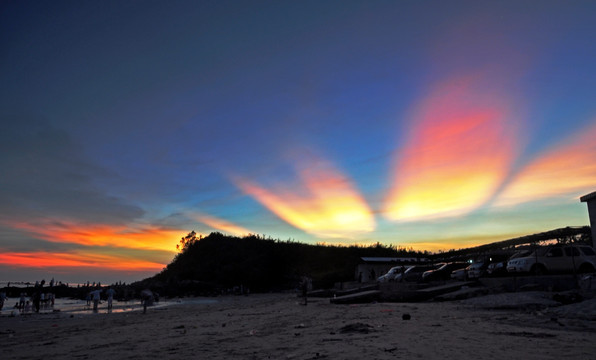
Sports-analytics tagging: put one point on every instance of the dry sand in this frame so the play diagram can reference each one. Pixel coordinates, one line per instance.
(275, 326)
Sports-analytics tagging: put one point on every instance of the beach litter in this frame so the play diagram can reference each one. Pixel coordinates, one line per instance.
(356, 328)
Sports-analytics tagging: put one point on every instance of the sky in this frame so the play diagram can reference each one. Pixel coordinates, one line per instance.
(431, 125)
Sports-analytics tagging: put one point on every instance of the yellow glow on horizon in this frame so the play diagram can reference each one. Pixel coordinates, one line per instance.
(459, 151)
(567, 169)
(463, 241)
(325, 203)
(435, 247)
(223, 225)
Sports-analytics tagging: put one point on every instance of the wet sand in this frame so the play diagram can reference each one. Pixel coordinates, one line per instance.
(276, 326)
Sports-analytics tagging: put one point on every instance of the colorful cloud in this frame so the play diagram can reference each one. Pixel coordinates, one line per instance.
(458, 153)
(566, 169)
(140, 237)
(42, 259)
(325, 203)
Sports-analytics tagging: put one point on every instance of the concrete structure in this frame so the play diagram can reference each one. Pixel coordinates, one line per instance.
(590, 199)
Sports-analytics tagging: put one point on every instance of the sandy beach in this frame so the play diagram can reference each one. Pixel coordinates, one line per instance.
(276, 326)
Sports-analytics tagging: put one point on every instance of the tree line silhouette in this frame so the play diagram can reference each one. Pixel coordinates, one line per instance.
(219, 262)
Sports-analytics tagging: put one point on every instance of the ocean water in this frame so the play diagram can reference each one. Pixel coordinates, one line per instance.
(75, 306)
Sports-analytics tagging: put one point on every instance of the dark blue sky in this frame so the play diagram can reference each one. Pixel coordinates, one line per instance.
(418, 123)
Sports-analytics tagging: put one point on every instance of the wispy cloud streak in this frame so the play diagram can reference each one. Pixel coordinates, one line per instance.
(222, 225)
(566, 169)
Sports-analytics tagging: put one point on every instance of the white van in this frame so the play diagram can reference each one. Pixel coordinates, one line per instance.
(554, 259)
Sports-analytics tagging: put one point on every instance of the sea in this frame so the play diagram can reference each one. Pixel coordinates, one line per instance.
(81, 307)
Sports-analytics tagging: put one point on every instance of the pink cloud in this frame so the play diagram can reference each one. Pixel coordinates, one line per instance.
(459, 151)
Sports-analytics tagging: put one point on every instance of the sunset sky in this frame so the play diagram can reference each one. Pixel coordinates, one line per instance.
(425, 124)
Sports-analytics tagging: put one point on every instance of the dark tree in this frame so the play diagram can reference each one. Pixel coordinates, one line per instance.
(188, 240)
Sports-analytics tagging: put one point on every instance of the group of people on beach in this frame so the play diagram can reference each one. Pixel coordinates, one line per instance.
(148, 297)
(22, 306)
(38, 301)
(95, 296)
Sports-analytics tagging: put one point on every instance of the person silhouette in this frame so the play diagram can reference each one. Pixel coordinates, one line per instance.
(110, 293)
(95, 294)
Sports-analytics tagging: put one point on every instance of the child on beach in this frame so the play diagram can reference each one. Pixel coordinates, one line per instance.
(27, 309)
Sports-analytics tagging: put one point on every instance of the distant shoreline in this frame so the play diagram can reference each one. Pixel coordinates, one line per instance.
(80, 307)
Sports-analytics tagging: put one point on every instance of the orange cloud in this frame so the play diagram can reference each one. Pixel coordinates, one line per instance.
(223, 225)
(324, 203)
(143, 237)
(458, 153)
(567, 169)
(104, 262)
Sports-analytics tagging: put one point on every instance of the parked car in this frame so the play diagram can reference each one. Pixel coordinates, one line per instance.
(476, 270)
(555, 258)
(414, 273)
(522, 253)
(444, 272)
(460, 274)
(497, 268)
(392, 273)
(497, 264)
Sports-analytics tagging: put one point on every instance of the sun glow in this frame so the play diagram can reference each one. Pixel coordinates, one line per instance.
(459, 151)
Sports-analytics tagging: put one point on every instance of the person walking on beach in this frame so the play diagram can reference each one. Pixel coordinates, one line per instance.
(22, 302)
(95, 294)
(36, 300)
(110, 293)
(146, 299)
